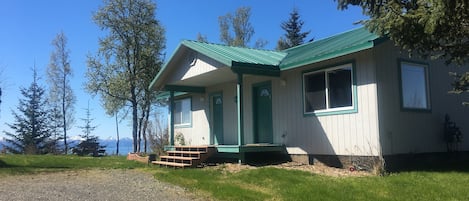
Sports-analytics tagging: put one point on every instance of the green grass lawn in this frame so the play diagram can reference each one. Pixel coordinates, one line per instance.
(21, 164)
(280, 184)
(269, 183)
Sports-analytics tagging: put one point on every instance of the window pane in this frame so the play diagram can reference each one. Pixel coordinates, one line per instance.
(186, 111)
(177, 112)
(340, 87)
(414, 89)
(315, 92)
(182, 111)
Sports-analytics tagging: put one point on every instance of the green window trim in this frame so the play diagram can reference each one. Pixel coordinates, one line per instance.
(185, 113)
(426, 105)
(353, 108)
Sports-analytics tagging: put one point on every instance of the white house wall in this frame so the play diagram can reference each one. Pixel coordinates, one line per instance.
(404, 132)
(191, 65)
(345, 134)
(197, 133)
(230, 122)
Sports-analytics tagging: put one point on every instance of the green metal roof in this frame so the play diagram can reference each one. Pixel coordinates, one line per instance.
(265, 61)
(328, 48)
(228, 54)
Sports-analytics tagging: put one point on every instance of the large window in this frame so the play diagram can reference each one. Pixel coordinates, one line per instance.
(414, 86)
(328, 90)
(182, 112)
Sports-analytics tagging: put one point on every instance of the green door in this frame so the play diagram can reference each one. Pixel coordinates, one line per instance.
(262, 109)
(217, 118)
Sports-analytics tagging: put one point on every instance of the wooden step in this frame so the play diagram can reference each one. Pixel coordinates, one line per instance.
(172, 164)
(202, 149)
(186, 156)
(192, 154)
(179, 158)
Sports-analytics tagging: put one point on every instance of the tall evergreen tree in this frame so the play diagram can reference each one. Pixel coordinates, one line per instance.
(90, 146)
(438, 29)
(31, 127)
(61, 95)
(128, 58)
(294, 35)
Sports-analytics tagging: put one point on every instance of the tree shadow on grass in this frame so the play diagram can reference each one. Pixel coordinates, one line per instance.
(436, 162)
(3, 164)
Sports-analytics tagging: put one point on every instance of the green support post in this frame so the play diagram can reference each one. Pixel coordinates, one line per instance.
(239, 95)
(171, 118)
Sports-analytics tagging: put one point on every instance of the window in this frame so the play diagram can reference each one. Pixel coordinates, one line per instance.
(328, 90)
(182, 112)
(414, 86)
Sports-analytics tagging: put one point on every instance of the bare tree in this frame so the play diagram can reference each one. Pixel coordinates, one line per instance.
(128, 59)
(61, 94)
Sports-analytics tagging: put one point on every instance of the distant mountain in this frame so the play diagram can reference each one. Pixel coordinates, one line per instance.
(125, 144)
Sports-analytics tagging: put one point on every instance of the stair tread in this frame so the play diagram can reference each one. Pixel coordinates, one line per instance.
(179, 157)
(191, 146)
(171, 164)
(185, 152)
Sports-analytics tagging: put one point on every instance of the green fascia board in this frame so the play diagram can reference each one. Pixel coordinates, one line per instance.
(165, 95)
(255, 69)
(180, 88)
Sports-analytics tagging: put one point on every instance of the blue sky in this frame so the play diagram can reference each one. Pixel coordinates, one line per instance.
(27, 28)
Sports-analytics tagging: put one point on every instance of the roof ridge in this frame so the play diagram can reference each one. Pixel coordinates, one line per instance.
(328, 37)
(225, 45)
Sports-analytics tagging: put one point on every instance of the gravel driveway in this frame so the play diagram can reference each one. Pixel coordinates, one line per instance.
(112, 185)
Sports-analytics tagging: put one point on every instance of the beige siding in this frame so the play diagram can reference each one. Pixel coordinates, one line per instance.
(230, 128)
(405, 132)
(345, 134)
(192, 65)
(196, 134)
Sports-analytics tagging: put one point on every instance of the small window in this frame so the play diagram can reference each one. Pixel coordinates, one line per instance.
(414, 86)
(182, 112)
(328, 90)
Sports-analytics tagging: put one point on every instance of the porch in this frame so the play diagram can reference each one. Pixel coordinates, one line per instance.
(196, 156)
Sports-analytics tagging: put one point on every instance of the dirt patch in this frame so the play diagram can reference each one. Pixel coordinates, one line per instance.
(315, 169)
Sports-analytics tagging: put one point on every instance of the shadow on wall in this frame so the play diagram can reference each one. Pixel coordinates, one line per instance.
(316, 141)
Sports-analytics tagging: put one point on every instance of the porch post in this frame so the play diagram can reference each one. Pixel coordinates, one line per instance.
(171, 118)
(239, 95)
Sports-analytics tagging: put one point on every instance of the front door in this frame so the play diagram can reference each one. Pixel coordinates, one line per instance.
(262, 109)
(217, 118)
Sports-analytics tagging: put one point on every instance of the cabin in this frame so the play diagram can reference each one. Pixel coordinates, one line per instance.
(350, 98)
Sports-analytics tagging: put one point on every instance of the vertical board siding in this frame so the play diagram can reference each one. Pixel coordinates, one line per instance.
(198, 64)
(404, 132)
(197, 134)
(191, 65)
(344, 134)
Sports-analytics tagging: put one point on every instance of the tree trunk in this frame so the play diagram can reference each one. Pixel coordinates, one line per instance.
(117, 130)
(145, 125)
(134, 122)
(64, 114)
(139, 139)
